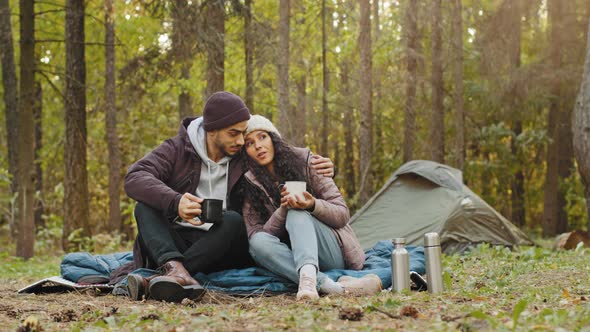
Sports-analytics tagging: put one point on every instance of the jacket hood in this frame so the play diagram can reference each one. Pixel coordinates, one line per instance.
(214, 175)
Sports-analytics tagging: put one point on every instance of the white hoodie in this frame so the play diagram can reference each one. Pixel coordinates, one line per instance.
(214, 176)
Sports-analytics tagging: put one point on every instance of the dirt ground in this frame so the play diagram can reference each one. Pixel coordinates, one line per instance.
(491, 289)
(89, 311)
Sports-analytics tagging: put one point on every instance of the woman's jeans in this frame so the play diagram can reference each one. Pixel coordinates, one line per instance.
(312, 242)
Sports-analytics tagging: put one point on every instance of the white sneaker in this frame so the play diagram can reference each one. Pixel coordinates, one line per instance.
(307, 288)
(366, 285)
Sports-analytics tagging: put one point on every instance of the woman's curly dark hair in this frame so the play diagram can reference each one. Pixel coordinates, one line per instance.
(287, 167)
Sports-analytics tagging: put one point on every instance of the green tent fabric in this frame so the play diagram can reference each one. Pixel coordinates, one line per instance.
(423, 196)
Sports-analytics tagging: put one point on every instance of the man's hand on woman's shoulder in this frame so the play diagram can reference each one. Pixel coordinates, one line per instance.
(323, 165)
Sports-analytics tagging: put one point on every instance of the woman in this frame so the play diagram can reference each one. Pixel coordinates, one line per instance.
(297, 237)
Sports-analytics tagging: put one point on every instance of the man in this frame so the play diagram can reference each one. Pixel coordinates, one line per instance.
(170, 183)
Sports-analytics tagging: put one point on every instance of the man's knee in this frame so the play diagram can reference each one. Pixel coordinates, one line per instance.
(145, 212)
(233, 223)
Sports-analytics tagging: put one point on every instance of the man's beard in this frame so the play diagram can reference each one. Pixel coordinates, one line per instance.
(226, 152)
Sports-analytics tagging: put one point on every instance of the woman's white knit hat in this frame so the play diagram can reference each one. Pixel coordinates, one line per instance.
(258, 122)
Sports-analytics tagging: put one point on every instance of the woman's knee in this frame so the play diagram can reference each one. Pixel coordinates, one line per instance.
(260, 244)
(295, 219)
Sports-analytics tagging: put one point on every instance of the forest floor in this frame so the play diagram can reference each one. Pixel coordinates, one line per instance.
(531, 288)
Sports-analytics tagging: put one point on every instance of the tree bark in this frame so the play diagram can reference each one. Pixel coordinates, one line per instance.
(514, 52)
(38, 118)
(300, 126)
(411, 35)
(25, 241)
(366, 102)
(283, 69)
(378, 169)
(215, 23)
(76, 177)
(325, 85)
(182, 40)
(114, 222)
(9, 84)
(249, 55)
(581, 129)
(348, 123)
(458, 78)
(437, 133)
(560, 148)
(349, 130)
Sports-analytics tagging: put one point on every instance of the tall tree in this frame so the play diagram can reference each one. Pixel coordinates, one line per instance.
(411, 36)
(283, 68)
(76, 177)
(437, 131)
(581, 129)
(182, 41)
(215, 26)
(514, 62)
(249, 55)
(325, 84)
(457, 35)
(38, 117)
(560, 149)
(114, 223)
(348, 123)
(366, 101)
(9, 85)
(26, 128)
(379, 169)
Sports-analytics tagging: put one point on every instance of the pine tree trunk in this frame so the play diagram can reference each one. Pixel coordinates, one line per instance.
(581, 129)
(114, 223)
(25, 241)
(366, 102)
(348, 127)
(181, 48)
(378, 169)
(38, 116)
(457, 34)
(215, 21)
(300, 126)
(560, 149)
(437, 133)
(326, 85)
(283, 69)
(249, 55)
(76, 178)
(9, 85)
(514, 51)
(349, 130)
(411, 35)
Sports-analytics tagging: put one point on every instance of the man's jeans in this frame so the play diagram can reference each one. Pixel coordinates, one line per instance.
(312, 242)
(224, 246)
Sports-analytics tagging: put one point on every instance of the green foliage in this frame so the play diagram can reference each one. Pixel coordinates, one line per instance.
(148, 85)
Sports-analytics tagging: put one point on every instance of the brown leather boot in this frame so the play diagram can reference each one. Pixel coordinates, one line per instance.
(175, 285)
(138, 286)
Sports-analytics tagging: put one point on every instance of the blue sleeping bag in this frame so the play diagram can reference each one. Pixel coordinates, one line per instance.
(253, 280)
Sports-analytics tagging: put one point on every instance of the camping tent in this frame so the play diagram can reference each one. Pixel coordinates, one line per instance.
(423, 196)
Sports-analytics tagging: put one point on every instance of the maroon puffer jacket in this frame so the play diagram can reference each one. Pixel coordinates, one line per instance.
(161, 177)
(330, 209)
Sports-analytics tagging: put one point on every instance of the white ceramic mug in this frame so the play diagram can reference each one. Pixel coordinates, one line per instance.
(295, 188)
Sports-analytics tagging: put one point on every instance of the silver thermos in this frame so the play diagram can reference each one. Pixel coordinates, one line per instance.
(400, 266)
(433, 263)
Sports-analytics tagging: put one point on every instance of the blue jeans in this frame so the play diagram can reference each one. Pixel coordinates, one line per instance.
(312, 242)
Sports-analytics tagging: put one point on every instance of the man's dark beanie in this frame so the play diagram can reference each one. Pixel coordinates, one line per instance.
(224, 109)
